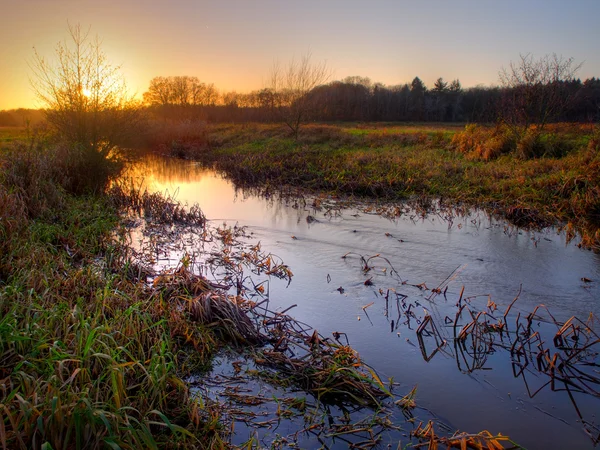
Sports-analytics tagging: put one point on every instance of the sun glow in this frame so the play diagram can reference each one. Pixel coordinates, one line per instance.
(86, 92)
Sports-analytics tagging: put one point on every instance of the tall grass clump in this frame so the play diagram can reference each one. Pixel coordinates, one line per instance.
(40, 171)
(479, 142)
(535, 144)
(487, 143)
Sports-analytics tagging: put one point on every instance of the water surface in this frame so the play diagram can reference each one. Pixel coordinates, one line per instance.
(490, 259)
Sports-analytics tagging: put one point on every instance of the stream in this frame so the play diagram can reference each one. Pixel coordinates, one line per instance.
(473, 260)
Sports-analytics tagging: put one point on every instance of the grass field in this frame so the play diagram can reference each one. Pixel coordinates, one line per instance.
(394, 162)
(11, 134)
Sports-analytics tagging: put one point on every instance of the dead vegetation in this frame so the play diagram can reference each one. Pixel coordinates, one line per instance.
(480, 441)
(221, 284)
(545, 353)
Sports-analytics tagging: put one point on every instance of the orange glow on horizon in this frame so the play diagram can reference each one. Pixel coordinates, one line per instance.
(233, 44)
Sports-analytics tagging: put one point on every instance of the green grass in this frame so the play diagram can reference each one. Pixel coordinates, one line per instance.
(89, 358)
(396, 162)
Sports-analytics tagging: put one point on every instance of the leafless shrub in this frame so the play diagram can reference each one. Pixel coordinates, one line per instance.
(85, 97)
(290, 87)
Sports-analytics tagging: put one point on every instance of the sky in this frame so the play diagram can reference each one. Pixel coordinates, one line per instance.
(234, 43)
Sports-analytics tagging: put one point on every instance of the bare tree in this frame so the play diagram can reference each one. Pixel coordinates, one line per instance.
(180, 96)
(290, 87)
(536, 91)
(159, 93)
(86, 98)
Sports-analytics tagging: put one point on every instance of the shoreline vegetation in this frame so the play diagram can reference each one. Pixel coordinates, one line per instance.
(96, 345)
(542, 178)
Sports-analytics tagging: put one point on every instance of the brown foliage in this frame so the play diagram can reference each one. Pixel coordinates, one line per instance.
(484, 143)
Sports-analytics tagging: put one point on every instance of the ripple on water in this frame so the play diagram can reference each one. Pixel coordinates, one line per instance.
(494, 259)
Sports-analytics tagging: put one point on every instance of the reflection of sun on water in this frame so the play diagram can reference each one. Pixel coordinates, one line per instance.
(190, 184)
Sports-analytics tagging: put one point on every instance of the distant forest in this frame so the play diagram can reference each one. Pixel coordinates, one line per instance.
(358, 99)
(351, 99)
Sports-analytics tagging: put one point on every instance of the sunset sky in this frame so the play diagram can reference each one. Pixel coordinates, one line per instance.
(233, 43)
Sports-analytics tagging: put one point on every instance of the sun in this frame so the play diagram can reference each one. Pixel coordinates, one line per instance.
(86, 92)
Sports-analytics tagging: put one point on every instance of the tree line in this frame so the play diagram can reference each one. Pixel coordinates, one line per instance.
(531, 91)
(359, 99)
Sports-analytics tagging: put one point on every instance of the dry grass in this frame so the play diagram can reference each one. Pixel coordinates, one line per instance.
(479, 142)
(477, 167)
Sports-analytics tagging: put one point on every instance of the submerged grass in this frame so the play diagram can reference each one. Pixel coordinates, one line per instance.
(479, 167)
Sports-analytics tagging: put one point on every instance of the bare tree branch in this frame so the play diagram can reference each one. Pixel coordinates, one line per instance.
(290, 87)
(86, 97)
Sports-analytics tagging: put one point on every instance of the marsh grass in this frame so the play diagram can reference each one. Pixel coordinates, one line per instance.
(477, 167)
(95, 343)
(89, 358)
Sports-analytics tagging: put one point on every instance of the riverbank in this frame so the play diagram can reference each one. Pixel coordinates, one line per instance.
(97, 344)
(89, 358)
(393, 162)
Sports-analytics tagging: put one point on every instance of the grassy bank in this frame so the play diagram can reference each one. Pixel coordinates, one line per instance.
(89, 360)
(92, 354)
(544, 178)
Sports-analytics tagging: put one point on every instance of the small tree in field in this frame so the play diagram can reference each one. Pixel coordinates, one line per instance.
(86, 100)
(290, 87)
(536, 91)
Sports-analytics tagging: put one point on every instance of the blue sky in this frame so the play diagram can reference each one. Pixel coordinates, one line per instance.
(233, 43)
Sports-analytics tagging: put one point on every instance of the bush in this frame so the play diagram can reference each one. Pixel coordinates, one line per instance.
(40, 176)
(85, 97)
(84, 171)
(483, 143)
(530, 145)
(534, 144)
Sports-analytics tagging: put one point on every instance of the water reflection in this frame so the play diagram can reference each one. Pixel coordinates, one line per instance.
(488, 389)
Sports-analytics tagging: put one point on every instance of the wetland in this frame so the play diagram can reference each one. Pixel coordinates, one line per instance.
(401, 288)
